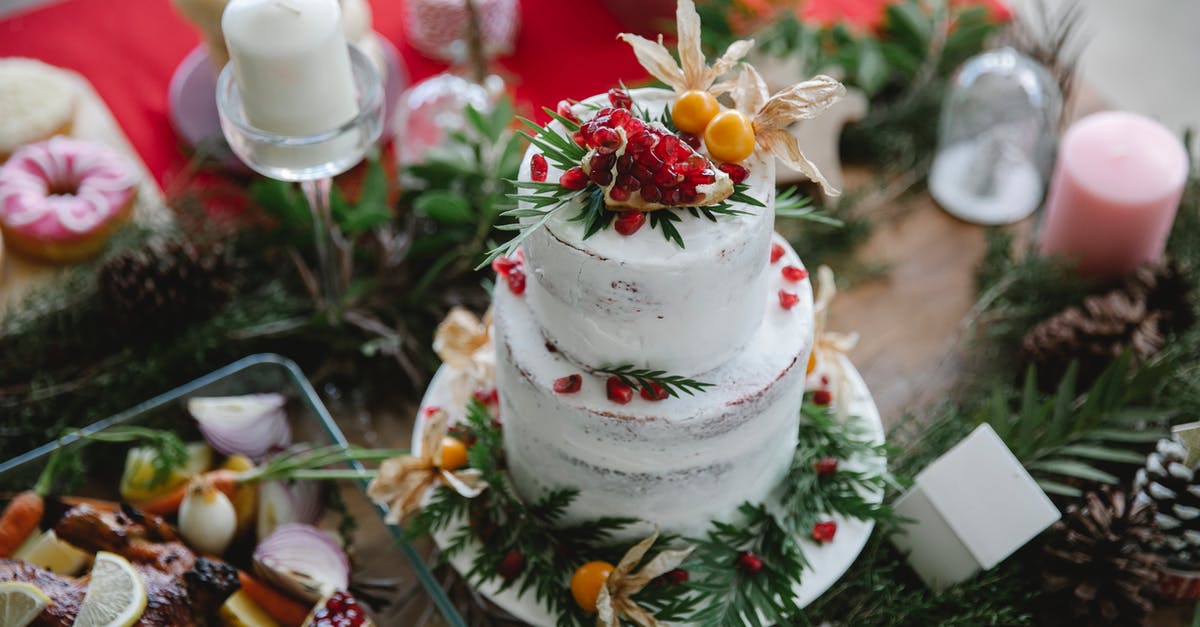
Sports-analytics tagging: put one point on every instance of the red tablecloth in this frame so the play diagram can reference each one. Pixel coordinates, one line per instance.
(129, 49)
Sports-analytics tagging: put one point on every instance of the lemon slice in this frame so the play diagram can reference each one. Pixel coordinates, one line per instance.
(20, 603)
(47, 551)
(116, 596)
(240, 610)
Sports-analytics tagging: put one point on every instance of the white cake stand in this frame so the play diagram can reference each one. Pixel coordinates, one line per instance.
(827, 562)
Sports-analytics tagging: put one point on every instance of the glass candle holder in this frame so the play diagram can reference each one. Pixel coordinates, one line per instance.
(438, 28)
(997, 137)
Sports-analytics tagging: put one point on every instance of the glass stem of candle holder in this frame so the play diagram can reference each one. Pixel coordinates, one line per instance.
(317, 192)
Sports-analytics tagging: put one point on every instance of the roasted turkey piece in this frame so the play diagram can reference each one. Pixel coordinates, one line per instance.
(182, 590)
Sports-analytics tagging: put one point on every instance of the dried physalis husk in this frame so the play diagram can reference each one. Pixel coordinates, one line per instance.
(692, 73)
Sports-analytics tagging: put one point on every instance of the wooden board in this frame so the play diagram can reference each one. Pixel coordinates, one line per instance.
(93, 121)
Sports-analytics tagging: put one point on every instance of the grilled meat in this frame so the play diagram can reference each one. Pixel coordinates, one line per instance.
(66, 593)
(139, 538)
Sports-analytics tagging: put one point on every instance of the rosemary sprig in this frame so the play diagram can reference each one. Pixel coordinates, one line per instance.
(790, 204)
(306, 462)
(645, 378)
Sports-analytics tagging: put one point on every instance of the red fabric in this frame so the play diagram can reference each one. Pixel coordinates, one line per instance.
(129, 49)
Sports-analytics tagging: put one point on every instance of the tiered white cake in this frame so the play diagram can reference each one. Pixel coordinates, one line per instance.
(711, 311)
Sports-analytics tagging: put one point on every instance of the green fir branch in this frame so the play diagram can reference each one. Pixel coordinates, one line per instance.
(644, 378)
(790, 204)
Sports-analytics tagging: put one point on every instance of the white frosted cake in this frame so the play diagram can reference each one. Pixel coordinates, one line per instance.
(720, 310)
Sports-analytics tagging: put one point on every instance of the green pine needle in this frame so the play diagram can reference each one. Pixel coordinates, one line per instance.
(645, 379)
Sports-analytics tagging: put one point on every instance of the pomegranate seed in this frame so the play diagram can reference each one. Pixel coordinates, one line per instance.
(693, 163)
(606, 140)
(736, 172)
(629, 222)
(503, 265)
(339, 610)
(619, 117)
(432, 409)
(822, 397)
(653, 392)
(634, 125)
(579, 138)
(619, 194)
(642, 173)
(776, 252)
(824, 531)
(750, 563)
(601, 177)
(628, 183)
(651, 193)
(787, 300)
(537, 167)
(826, 466)
(618, 391)
(564, 110)
(512, 565)
(668, 149)
(602, 162)
(690, 140)
(487, 397)
(569, 384)
(671, 197)
(795, 274)
(677, 576)
(668, 177)
(620, 98)
(625, 163)
(516, 281)
(687, 194)
(575, 178)
(642, 142)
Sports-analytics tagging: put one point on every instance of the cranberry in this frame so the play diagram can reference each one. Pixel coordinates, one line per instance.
(822, 397)
(736, 172)
(512, 565)
(824, 531)
(787, 300)
(653, 392)
(575, 178)
(537, 167)
(750, 563)
(776, 252)
(339, 610)
(516, 281)
(569, 384)
(795, 274)
(620, 98)
(618, 391)
(826, 466)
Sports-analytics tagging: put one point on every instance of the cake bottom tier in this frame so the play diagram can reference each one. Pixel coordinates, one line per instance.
(678, 463)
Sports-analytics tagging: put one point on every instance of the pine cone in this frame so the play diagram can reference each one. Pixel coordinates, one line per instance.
(1173, 487)
(1097, 568)
(163, 287)
(1138, 315)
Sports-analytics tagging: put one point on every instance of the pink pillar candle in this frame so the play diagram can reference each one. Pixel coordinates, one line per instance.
(1114, 194)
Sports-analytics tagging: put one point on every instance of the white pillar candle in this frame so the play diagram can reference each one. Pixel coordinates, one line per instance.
(291, 64)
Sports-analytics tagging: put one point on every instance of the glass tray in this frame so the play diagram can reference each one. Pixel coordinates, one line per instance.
(407, 592)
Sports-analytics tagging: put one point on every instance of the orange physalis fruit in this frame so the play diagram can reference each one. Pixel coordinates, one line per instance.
(693, 111)
(454, 453)
(586, 584)
(812, 363)
(729, 136)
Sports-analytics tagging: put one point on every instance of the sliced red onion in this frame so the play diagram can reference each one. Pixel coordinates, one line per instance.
(254, 425)
(302, 561)
(283, 502)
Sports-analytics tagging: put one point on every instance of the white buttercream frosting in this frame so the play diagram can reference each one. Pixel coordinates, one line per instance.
(35, 101)
(642, 300)
(678, 463)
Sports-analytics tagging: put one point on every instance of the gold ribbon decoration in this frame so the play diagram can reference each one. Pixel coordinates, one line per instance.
(464, 343)
(692, 73)
(614, 602)
(402, 481)
(830, 347)
(772, 115)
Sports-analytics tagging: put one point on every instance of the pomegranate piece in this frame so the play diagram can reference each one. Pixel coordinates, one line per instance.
(736, 172)
(824, 531)
(826, 466)
(516, 281)
(795, 274)
(564, 110)
(642, 167)
(653, 392)
(503, 265)
(776, 252)
(618, 391)
(787, 300)
(569, 384)
(822, 397)
(750, 563)
(620, 98)
(575, 178)
(537, 167)
(629, 222)
(339, 610)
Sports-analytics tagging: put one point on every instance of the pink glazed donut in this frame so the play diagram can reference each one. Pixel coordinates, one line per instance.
(61, 199)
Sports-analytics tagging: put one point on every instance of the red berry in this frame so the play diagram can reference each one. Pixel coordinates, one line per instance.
(653, 392)
(537, 167)
(339, 610)
(564, 110)
(618, 391)
(736, 172)
(822, 397)
(824, 531)
(677, 576)
(776, 252)
(503, 265)
(569, 384)
(575, 178)
(795, 274)
(628, 222)
(787, 300)
(620, 98)
(750, 563)
(487, 397)
(512, 565)
(826, 466)
(516, 281)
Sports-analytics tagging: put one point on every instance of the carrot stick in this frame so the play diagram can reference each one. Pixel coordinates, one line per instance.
(288, 612)
(223, 479)
(20, 519)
